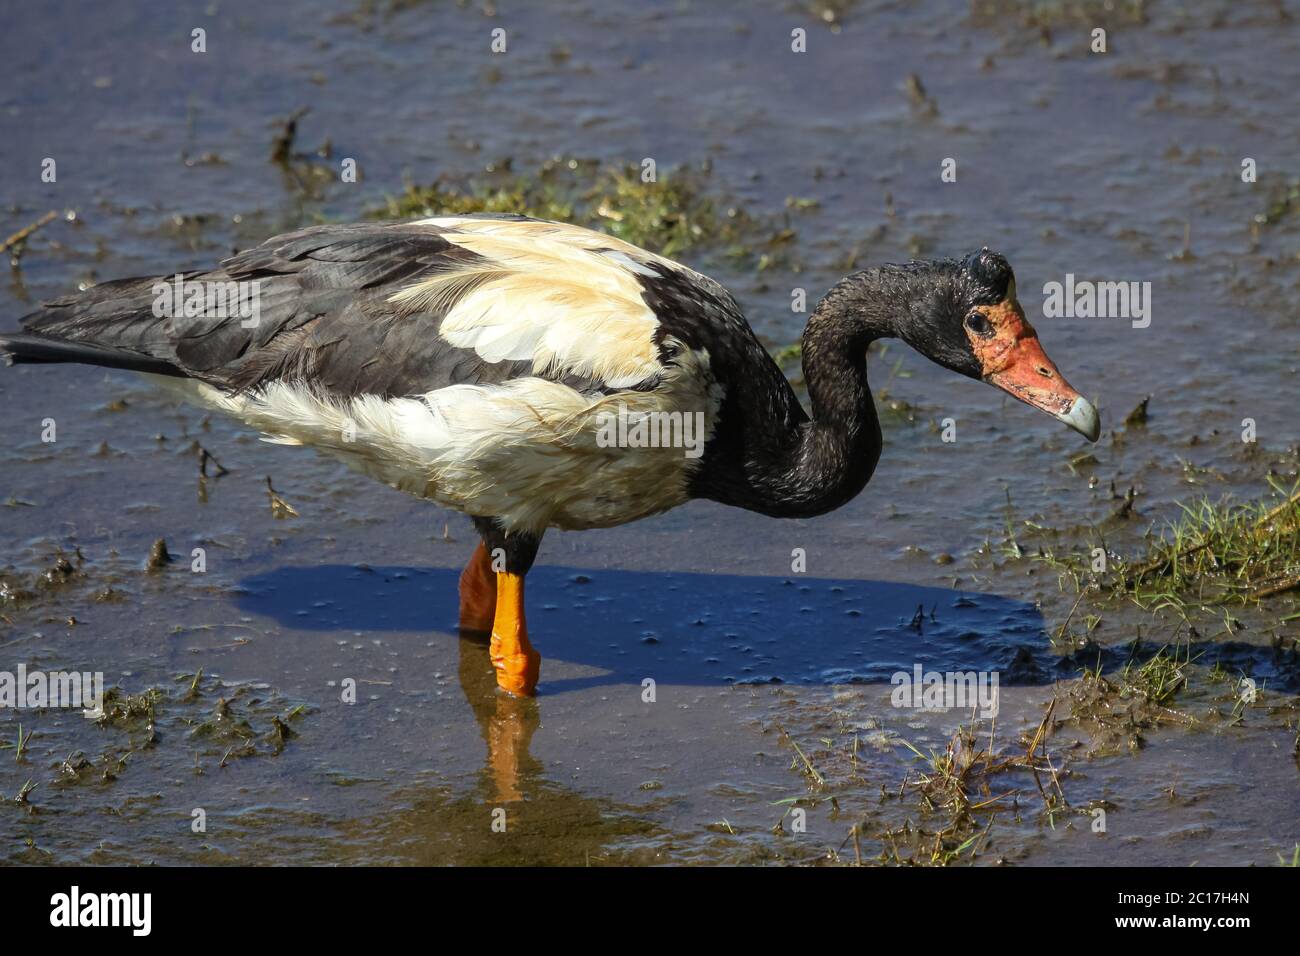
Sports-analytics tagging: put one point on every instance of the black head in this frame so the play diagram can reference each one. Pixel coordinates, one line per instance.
(947, 301)
(964, 315)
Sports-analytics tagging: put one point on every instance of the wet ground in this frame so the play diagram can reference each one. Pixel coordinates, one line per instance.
(771, 688)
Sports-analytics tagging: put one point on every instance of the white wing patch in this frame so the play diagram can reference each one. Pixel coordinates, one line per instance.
(563, 297)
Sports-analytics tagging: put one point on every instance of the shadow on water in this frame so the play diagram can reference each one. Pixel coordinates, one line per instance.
(688, 629)
(705, 629)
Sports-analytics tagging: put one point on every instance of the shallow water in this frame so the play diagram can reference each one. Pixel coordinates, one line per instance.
(1067, 162)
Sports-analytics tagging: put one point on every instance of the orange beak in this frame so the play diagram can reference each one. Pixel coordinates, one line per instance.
(1013, 360)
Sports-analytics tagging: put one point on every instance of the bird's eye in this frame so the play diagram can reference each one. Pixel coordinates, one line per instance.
(978, 324)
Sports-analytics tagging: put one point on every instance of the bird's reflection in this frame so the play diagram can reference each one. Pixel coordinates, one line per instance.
(544, 822)
(507, 723)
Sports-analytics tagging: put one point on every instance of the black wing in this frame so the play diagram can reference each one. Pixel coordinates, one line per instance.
(323, 318)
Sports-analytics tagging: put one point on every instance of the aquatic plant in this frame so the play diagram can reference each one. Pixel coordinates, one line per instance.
(669, 212)
(1221, 552)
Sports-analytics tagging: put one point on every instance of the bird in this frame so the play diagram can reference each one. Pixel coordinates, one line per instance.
(536, 374)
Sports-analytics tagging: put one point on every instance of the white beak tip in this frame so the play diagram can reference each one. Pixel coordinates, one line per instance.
(1083, 418)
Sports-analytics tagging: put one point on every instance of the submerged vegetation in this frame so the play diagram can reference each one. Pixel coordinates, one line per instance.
(1215, 553)
(1115, 711)
(668, 211)
(963, 787)
(943, 809)
(1222, 552)
(1283, 201)
(1045, 14)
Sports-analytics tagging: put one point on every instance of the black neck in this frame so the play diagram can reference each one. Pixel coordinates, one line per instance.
(811, 467)
(830, 459)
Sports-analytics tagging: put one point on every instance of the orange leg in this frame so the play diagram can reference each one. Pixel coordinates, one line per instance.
(516, 662)
(478, 592)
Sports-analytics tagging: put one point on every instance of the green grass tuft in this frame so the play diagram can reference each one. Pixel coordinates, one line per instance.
(676, 213)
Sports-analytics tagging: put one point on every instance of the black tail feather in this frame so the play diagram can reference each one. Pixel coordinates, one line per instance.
(27, 347)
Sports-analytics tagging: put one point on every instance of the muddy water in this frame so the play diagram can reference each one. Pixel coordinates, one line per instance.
(1098, 165)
